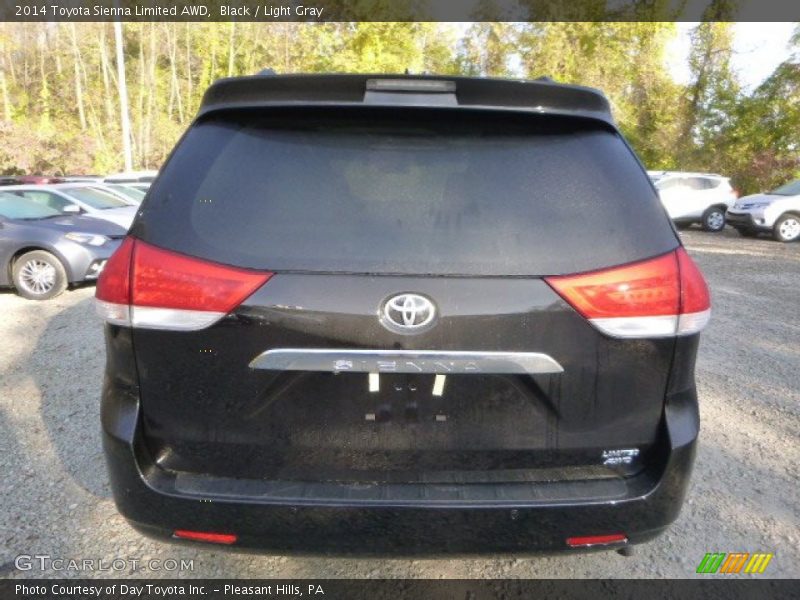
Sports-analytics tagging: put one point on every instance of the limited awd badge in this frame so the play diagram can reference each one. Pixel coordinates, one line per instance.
(407, 313)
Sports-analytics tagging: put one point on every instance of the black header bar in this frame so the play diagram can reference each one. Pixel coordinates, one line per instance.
(396, 589)
(266, 11)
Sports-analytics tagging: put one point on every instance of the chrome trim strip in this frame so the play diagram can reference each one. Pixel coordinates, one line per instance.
(405, 361)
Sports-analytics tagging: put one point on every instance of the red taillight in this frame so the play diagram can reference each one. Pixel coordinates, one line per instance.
(695, 299)
(596, 540)
(643, 299)
(113, 285)
(156, 288)
(642, 289)
(205, 536)
(694, 290)
(165, 279)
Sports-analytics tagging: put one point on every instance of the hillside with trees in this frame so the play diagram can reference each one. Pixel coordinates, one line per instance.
(60, 84)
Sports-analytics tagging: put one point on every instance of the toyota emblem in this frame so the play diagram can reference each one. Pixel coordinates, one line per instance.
(407, 313)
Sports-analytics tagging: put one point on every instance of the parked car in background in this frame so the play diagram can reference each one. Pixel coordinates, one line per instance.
(79, 198)
(126, 192)
(776, 212)
(131, 177)
(137, 179)
(42, 250)
(117, 191)
(374, 319)
(82, 178)
(694, 197)
(143, 186)
(30, 179)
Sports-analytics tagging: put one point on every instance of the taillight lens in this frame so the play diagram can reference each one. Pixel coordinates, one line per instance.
(695, 298)
(113, 291)
(660, 297)
(146, 286)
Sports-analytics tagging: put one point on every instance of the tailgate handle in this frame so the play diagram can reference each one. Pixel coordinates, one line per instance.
(405, 361)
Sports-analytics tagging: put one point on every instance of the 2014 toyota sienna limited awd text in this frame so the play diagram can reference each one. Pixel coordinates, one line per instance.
(401, 315)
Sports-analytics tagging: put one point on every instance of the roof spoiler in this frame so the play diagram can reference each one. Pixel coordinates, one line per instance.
(517, 95)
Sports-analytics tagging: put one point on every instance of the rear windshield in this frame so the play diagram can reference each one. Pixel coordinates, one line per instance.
(407, 193)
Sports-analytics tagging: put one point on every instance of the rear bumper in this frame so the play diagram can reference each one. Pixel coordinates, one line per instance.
(442, 519)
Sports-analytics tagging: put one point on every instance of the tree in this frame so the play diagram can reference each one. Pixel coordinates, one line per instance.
(760, 145)
(487, 49)
(624, 60)
(123, 98)
(61, 98)
(712, 95)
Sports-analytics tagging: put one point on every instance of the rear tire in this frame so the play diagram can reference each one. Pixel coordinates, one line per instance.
(787, 228)
(38, 275)
(713, 219)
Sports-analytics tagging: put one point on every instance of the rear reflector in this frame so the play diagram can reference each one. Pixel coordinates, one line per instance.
(596, 540)
(205, 536)
(660, 297)
(149, 287)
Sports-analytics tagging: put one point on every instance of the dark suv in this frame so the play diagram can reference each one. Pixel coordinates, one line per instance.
(374, 314)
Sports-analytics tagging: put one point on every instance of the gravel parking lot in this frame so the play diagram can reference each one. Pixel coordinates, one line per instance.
(745, 494)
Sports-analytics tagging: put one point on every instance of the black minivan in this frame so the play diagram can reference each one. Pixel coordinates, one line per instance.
(401, 315)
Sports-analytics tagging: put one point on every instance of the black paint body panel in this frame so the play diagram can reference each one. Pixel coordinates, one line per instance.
(431, 515)
(641, 506)
(220, 416)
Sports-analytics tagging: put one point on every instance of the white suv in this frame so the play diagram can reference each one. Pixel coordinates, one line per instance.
(695, 197)
(777, 212)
